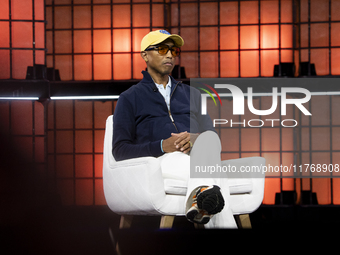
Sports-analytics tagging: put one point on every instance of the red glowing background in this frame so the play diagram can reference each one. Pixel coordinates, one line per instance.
(102, 42)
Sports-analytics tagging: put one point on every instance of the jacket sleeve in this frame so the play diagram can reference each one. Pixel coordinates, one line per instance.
(124, 132)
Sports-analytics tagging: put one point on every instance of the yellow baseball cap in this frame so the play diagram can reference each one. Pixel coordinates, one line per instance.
(158, 36)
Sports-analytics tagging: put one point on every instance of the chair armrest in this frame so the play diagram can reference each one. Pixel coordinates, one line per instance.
(252, 199)
(133, 186)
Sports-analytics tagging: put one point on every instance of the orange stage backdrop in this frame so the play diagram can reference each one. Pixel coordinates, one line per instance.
(101, 41)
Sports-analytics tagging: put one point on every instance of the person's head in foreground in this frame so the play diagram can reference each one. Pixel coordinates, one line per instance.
(159, 50)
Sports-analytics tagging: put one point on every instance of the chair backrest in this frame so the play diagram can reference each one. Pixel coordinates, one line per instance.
(108, 158)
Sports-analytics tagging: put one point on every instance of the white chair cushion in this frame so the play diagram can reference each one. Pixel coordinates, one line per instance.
(236, 186)
(175, 187)
(240, 186)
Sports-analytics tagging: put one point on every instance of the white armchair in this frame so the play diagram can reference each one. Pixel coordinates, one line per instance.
(137, 187)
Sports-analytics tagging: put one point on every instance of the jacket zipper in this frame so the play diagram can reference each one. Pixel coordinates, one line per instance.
(170, 115)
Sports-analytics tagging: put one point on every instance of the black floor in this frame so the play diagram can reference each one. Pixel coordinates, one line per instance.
(86, 230)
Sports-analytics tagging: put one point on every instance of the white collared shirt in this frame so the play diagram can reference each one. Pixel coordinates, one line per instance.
(165, 92)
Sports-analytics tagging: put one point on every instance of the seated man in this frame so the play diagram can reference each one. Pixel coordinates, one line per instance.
(155, 118)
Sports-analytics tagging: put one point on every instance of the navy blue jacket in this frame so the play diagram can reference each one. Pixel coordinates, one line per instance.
(142, 119)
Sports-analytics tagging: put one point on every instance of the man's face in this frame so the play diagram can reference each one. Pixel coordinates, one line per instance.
(162, 64)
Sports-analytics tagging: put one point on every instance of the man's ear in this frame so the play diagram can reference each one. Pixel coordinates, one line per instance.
(144, 55)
